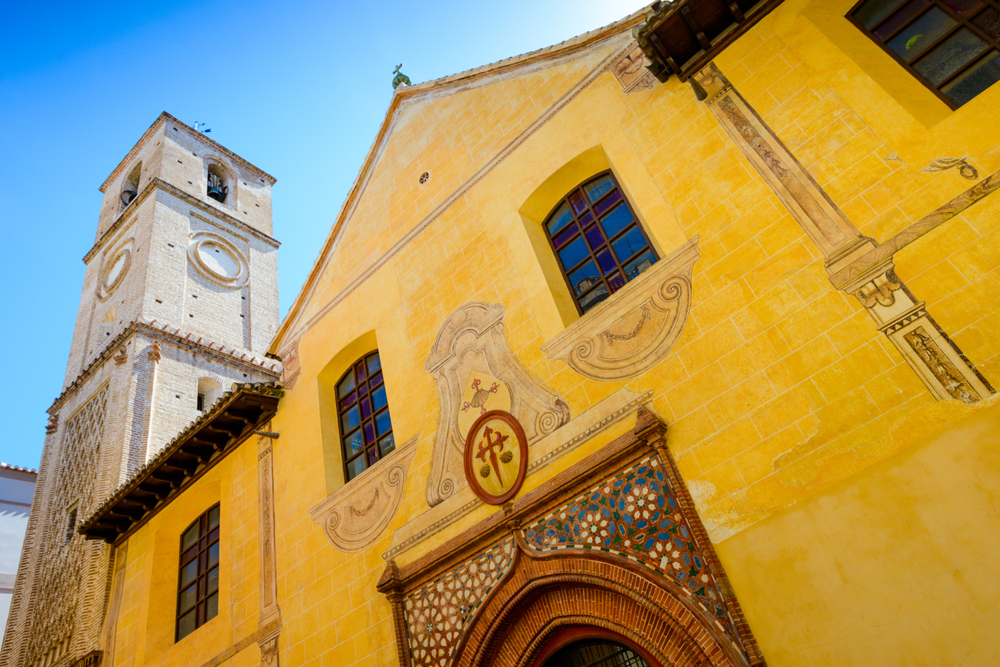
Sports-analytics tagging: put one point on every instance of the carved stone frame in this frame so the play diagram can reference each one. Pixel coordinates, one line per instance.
(634, 329)
(474, 336)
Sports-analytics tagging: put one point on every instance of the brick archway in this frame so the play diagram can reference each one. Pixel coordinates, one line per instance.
(542, 595)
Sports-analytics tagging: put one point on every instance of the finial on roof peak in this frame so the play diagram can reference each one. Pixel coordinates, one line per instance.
(400, 77)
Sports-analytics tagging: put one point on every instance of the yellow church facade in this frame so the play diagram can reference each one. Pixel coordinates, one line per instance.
(698, 364)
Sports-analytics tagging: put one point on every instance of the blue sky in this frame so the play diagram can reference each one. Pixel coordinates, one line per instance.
(298, 88)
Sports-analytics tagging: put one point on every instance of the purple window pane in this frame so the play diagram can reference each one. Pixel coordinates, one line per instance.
(873, 11)
(349, 401)
(964, 7)
(560, 218)
(607, 261)
(608, 202)
(594, 297)
(372, 455)
(974, 80)
(586, 218)
(213, 536)
(354, 443)
(360, 372)
(573, 254)
(901, 18)
(950, 56)
(376, 379)
(921, 33)
(366, 408)
(565, 235)
(369, 433)
(584, 278)
(616, 282)
(595, 237)
(577, 201)
(989, 22)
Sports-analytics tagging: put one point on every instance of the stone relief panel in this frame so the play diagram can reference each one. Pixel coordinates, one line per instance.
(634, 330)
(476, 372)
(356, 514)
(631, 72)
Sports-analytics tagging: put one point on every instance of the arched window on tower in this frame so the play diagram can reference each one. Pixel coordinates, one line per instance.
(130, 186)
(198, 581)
(363, 411)
(218, 183)
(209, 391)
(598, 241)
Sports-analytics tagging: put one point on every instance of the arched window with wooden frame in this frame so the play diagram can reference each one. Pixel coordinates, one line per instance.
(363, 411)
(198, 581)
(598, 241)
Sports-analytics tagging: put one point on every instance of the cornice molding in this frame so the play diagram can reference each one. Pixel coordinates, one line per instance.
(291, 327)
(162, 332)
(162, 120)
(160, 184)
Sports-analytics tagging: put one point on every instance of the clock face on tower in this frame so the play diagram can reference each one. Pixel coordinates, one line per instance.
(217, 259)
(115, 268)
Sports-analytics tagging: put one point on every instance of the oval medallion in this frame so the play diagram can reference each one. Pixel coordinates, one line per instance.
(496, 457)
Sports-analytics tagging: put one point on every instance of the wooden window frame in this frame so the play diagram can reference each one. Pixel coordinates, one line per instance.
(341, 411)
(207, 538)
(592, 254)
(961, 22)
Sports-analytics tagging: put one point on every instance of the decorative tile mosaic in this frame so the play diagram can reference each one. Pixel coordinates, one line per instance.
(437, 613)
(635, 514)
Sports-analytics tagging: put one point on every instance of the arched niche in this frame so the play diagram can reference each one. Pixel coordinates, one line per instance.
(333, 457)
(546, 196)
(130, 186)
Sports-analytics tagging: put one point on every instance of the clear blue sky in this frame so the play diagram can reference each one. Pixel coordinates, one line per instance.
(299, 88)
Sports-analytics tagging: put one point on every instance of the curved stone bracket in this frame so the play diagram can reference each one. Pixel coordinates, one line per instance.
(356, 514)
(634, 330)
(476, 372)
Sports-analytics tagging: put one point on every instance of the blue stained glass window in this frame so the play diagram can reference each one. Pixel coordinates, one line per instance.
(594, 268)
(368, 414)
(922, 33)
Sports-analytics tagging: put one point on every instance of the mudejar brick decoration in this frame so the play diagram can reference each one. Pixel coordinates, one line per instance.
(613, 542)
(635, 514)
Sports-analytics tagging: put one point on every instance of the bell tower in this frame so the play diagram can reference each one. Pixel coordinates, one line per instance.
(179, 302)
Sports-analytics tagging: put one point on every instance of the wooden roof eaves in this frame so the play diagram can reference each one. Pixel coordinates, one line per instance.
(132, 491)
(404, 94)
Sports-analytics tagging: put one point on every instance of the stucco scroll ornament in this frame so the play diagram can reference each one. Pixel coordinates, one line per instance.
(634, 330)
(475, 373)
(356, 514)
(630, 72)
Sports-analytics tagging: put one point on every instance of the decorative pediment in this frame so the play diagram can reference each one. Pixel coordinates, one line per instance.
(634, 330)
(356, 514)
(475, 373)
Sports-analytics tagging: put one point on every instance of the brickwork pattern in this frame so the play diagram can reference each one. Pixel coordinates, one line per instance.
(636, 514)
(437, 614)
(64, 555)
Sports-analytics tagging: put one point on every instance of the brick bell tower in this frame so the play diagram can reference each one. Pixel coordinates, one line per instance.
(180, 301)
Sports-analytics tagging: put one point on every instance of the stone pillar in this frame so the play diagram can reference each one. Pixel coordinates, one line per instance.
(925, 346)
(270, 615)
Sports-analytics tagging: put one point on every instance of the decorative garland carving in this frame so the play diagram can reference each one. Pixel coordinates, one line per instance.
(476, 372)
(356, 514)
(225, 248)
(646, 317)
